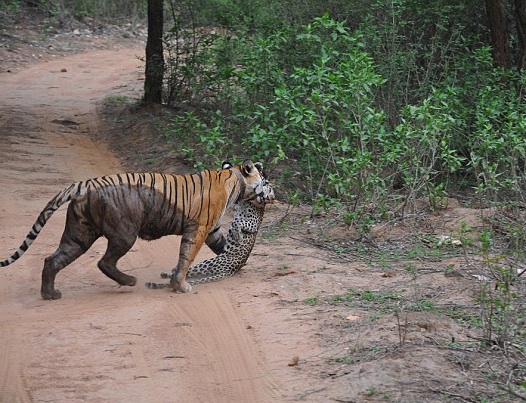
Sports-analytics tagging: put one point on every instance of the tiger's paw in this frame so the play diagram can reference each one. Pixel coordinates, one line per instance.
(124, 279)
(183, 287)
(51, 294)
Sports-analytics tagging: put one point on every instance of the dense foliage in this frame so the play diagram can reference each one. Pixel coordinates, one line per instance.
(400, 102)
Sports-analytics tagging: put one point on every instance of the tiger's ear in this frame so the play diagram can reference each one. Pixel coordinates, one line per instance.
(248, 167)
(227, 165)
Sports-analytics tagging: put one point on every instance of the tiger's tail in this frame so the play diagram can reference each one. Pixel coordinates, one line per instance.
(52, 206)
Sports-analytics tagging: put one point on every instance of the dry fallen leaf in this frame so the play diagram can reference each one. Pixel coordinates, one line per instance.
(352, 317)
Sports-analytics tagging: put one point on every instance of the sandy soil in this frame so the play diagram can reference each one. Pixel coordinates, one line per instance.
(292, 326)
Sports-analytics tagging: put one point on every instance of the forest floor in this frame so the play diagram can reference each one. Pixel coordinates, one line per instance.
(318, 314)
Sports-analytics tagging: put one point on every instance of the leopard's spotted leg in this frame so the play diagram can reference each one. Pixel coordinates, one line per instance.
(240, 240)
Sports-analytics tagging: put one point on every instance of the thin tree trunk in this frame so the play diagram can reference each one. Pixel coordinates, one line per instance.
(498, 26)
(520, 18)
(153, 82)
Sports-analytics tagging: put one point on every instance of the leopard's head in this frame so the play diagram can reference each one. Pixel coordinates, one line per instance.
(258, 189)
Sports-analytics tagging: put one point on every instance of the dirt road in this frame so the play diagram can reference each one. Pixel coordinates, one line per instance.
(102, 343)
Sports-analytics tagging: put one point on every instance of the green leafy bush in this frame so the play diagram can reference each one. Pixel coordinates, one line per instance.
(310, 102)
(323, 117)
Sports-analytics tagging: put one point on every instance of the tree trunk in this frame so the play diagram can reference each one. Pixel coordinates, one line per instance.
(153, 82)
(498, 26)
(520, 18)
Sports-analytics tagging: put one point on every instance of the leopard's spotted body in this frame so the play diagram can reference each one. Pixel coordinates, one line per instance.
(240, 240)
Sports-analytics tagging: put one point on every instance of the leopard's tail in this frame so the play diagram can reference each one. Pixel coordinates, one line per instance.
(53, 205)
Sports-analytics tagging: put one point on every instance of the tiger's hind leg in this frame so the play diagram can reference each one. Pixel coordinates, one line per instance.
(76, 240)
(67, 252)
(118, 246)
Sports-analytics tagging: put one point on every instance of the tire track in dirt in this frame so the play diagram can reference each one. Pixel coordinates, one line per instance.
(13, 383)
(227, 353)
(100, 342)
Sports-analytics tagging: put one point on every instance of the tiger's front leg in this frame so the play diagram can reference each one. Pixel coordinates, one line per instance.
(190, 245)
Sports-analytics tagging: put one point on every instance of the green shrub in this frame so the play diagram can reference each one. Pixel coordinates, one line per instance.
(323, 117)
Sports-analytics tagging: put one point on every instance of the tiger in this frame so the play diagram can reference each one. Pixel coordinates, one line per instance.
(241, 236)
(122, 207)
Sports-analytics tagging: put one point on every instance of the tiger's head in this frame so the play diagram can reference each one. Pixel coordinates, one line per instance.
(257, 188)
